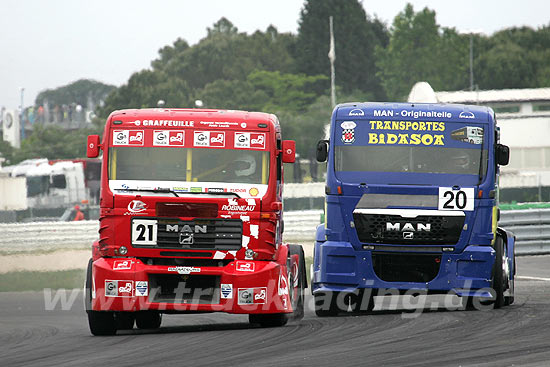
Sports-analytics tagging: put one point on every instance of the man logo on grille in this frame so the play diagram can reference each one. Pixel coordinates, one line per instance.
(408, 235)
(186, 238)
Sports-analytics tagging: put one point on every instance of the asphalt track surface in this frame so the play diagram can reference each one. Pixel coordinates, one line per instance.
(518, 335)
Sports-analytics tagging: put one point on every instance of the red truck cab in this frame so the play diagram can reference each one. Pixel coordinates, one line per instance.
(191, 219)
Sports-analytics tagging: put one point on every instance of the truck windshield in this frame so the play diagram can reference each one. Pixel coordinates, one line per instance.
(189, 165)
(410, 159)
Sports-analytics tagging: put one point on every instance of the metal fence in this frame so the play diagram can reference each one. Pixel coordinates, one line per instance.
(531, 227)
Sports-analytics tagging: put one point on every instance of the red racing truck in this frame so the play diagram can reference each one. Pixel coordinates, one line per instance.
(191, 220)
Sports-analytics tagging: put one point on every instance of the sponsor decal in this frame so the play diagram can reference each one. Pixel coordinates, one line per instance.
(196, 189)
(136, 137)
(120, 137)
(348, 131)
(249, 296)
(165, 123)
(136, 206)
(356, 112)
(111, 288)
(233, 205)
(242, 140)
(202, 138)
(283, 285)
(119, 288)
(245, 266)
(249, 140)
(227, 291)
(253, 191)
(215, 189)
(468, 134)
(238, 208)
(217, 139)
(184, 269)
(406, 133)
(209, 139)
(180, 189)
(122, 264)
(216, 124)
(176, 138)
(236, 189)
(142, 288)
(168, 138)
(160, 137)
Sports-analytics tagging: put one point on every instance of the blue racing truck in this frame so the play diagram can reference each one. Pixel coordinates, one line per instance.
(411, 204)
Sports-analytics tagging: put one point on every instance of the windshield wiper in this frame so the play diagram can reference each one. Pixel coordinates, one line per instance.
(168, 191)
(213, 193)
(159, 190)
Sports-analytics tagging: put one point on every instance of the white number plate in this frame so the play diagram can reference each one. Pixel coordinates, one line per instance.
(144, 232)
(461, 199)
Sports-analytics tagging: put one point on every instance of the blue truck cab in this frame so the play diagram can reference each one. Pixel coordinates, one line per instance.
(411, 204)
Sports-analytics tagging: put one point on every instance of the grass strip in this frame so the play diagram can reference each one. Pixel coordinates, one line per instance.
(18, 281)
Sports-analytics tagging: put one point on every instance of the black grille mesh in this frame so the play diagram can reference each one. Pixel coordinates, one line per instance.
(373, 228)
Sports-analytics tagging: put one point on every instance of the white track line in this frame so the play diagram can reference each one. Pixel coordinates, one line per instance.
(532, 278)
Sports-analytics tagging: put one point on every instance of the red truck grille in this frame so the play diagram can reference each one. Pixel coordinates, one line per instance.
(214, 234)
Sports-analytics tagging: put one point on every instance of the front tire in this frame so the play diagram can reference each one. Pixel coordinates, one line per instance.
(100, 323)
(500, 281)
(298, 281)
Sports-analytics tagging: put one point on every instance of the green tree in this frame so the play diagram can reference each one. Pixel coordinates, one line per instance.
(6, 152)
(507, 65)
(81, 92)
(221, 61)
(420, 51)
(356, 36)
(514, 58)
(53, 142)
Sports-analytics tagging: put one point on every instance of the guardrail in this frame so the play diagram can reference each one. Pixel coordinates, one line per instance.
(531, 227)
(45, 236)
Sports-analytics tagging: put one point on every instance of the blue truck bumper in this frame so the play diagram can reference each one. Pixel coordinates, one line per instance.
(340, 267)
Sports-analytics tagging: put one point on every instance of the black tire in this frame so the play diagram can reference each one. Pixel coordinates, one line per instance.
(101, 323)
(269, 320)
(88, 287)
(325, 304)
(500, 283)
(298, 290)
(124, 320)
(148, 319)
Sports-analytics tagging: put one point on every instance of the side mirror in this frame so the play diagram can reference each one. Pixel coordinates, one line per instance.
(289, 151)
(322, 150)
(92, 150)
(502, 154)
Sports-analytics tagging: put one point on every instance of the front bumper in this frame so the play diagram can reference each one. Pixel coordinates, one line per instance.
(241, 287)
(340, 267)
